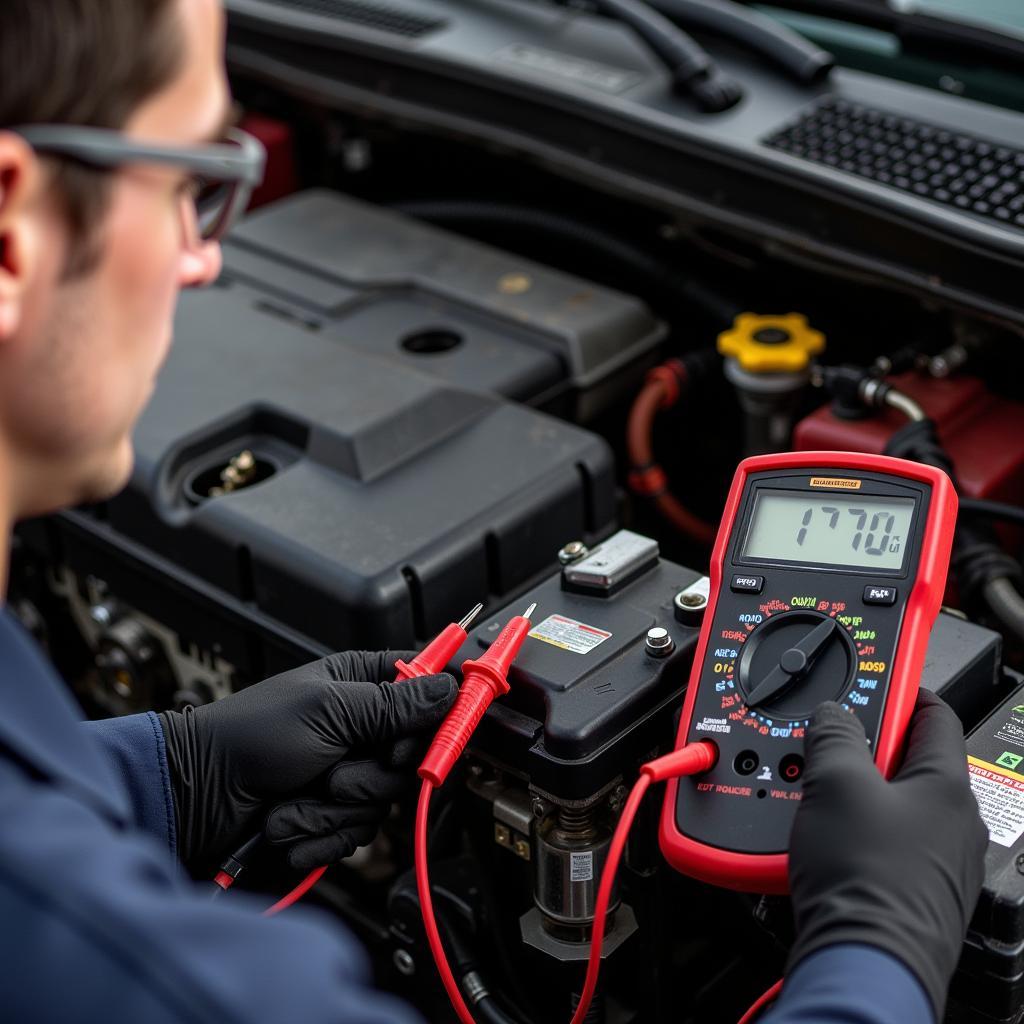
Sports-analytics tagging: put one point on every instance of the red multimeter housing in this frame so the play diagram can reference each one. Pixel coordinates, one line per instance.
(826, 577)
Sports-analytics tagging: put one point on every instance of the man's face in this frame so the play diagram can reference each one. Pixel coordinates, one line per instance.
(84, 356)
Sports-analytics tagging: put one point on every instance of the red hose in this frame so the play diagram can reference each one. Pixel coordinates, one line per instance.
(647, 478)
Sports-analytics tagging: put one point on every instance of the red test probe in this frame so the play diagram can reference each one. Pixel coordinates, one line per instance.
(436, 655)
(431, 660)
(482, 681)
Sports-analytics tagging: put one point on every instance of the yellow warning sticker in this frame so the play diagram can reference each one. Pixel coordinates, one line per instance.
(1000, 795)
(570, 635)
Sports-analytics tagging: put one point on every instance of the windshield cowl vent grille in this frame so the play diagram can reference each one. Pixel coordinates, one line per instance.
(382, 17)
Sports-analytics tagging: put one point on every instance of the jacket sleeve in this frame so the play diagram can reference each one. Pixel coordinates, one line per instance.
(98, 923)
(134, 745)
(851, 984)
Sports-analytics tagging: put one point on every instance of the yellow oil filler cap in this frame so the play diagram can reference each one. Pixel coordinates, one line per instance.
(771, 344)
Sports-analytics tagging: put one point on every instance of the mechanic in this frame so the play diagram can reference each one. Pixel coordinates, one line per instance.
(98, 232)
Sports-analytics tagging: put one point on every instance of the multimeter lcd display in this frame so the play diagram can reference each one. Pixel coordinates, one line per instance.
(833, 529)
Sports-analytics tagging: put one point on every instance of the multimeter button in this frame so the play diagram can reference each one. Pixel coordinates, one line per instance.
(747, 584)
(791, 767)
(746, 762)
(879, 595)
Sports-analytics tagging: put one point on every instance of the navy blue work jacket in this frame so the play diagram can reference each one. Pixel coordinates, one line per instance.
(98, 923)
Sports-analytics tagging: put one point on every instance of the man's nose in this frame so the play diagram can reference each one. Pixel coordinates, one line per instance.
(200, 266)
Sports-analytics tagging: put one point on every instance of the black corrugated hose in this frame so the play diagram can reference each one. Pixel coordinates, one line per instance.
(978, 562)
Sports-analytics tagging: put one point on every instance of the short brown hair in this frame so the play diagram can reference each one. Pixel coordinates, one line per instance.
(84, 62)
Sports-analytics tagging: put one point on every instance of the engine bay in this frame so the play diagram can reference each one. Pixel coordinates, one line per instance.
(511, 303)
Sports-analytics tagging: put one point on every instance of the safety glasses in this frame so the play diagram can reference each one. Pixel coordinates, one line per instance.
(223, 173)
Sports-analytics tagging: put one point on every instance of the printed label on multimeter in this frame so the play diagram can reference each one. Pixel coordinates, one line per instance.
(820, 592)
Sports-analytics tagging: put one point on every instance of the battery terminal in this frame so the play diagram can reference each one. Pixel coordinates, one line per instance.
(239, 472)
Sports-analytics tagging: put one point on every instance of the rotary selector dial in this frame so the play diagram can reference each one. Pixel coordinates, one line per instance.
(794, 661)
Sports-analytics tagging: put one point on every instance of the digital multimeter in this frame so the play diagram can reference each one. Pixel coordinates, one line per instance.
(826, 577)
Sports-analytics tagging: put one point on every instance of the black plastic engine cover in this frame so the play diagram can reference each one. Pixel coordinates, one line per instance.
(386, 502)
(378, 282)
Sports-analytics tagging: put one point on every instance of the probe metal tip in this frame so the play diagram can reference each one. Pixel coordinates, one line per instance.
(529, 611)
(470, 616)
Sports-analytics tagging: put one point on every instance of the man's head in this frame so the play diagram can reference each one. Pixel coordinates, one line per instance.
(91, 260)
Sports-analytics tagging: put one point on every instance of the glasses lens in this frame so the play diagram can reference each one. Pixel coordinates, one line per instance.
(213, 201)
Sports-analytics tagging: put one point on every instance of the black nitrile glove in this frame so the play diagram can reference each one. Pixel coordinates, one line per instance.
(896, 865)
(334, 728)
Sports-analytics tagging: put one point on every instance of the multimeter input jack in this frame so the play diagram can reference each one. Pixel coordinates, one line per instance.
(746, 762)
(791, 768)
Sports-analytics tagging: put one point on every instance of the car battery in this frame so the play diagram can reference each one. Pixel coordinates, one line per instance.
(973, 425)
(293, 494)
(598, 681)
(990, 978)
(377, 282)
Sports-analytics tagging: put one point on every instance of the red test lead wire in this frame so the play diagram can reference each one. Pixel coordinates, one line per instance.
(693, 759)
(482, 681)
(763, 1001)
(432, 659)
(297, 893)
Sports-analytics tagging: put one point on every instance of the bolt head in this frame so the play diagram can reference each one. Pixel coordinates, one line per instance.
(572, 552)
(514, 284)
(617, 800)
(404, 962)
(100, 613)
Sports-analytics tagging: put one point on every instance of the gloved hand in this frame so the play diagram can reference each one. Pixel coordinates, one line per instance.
(896, 865)
(331, 738)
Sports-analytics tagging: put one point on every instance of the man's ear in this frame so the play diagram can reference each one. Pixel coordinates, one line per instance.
(19, 230)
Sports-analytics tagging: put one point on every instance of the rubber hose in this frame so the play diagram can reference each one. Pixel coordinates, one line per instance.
(639, 428)
(694, 73)
(1006, 604)
(977, 558)
(796, 56)
(639, 442)
(488, 1010)
(462, 213)
(673, 46)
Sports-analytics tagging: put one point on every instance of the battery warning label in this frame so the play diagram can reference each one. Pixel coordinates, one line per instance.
(1000, 796)
(569, 634)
